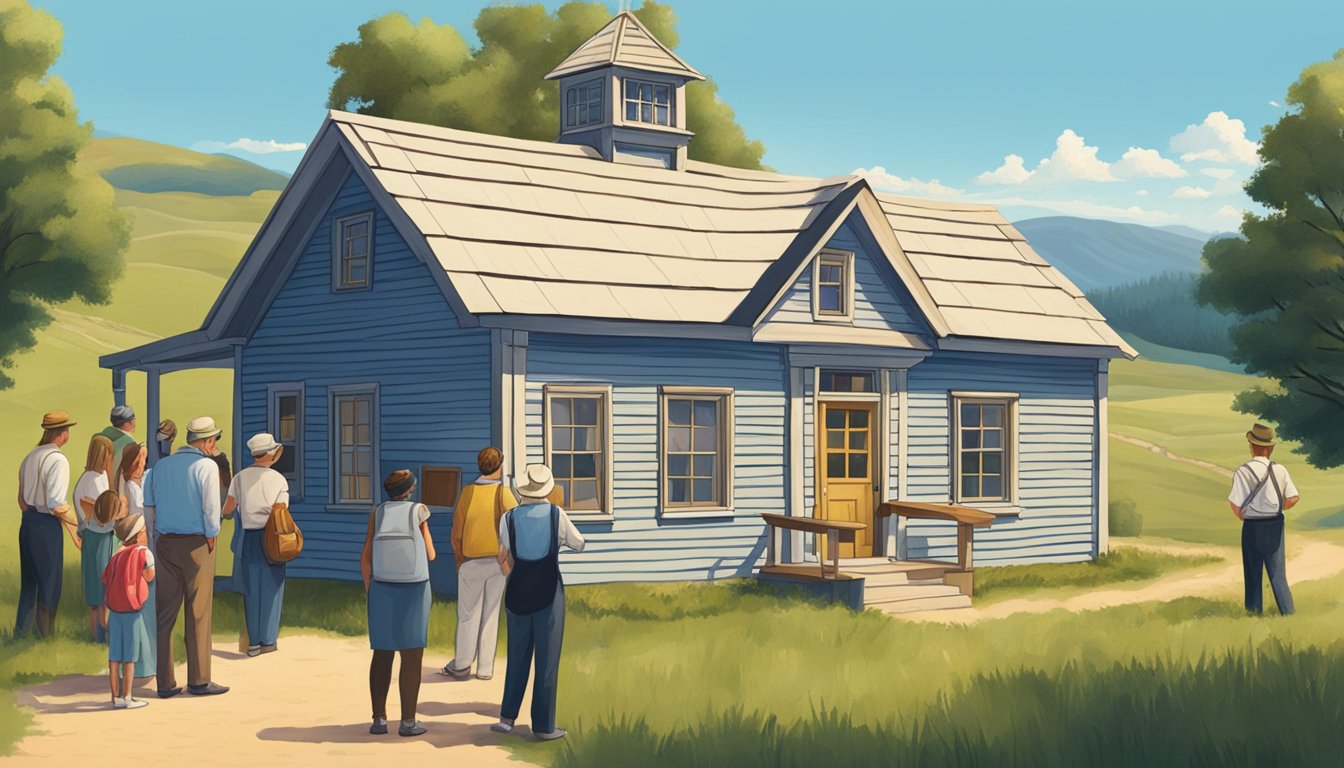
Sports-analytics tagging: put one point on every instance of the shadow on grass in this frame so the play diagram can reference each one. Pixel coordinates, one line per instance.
(440, 735)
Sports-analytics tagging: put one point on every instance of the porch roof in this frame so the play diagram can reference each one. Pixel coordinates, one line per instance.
(193, 349)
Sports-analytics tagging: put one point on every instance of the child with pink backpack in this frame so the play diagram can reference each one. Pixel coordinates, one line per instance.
(126, 587)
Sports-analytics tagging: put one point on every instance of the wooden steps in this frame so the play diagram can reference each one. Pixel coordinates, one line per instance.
(905, 586)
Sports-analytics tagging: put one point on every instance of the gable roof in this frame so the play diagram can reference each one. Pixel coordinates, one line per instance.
(513, 229)
(625, 42)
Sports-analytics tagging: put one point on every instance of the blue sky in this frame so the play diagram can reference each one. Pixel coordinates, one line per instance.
(1141, 111)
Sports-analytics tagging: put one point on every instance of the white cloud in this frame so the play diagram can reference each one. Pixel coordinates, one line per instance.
(1191, 193)
(1275, 104)
(1073, 159)
(1141, 192)
(1013, 171)
(1219, 139)
(1149, 164)
(1230, 212)
(251, 146)
(1218, 173)
(883, 179)
(1090, 209)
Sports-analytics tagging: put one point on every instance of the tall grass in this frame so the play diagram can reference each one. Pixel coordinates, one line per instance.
(1118, 565)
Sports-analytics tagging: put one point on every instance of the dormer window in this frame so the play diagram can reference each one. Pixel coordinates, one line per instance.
(833, 286)
(583, 104)
(352, 252)
(648, 102)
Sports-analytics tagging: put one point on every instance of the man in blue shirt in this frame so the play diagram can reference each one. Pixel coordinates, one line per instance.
(183, 494)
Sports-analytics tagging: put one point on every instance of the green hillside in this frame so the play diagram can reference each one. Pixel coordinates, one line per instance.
(145, 166)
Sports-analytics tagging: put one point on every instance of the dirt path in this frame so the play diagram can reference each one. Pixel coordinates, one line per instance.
(306, 705)
(1167, 454)
(1308, 560)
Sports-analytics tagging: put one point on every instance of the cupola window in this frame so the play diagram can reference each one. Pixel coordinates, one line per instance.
(647, 102)
(583, 104)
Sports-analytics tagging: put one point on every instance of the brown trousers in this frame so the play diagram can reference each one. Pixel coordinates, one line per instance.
(184, 572)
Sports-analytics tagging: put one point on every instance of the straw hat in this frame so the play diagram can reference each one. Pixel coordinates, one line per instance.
(127, 527)
(1261, 435)
(202, 428)
(57, 420)
(536, 482)
(262, 444)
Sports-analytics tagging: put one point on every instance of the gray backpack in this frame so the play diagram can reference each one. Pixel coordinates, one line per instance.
(398, 546)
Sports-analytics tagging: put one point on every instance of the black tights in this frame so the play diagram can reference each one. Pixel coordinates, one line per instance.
(408, 683)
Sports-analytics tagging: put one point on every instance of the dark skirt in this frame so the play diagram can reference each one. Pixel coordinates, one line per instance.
(398, 615)
(93, 559)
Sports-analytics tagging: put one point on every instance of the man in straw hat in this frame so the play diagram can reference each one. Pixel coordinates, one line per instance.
(44, 480)
(183, 492)
(530, 538)
(1261, 491)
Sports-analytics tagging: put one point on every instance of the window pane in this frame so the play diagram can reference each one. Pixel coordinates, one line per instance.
(858, 465)
(679, 439)
(679, 412)
(970, 438)
(858, 419)
(970, 463)
(704, 465)
(631, 111)
(362, 436)
(706, 439)
(662, 116)
(970, 487)
(561, 439)
(562, 465)
(585, 439)
(585, 465)
(347, 464)
(646, 113)
(970, 415)
(362, 410)
(830, 274)
(993, 415)
(835, 438)
(583, 495)
(573, 115)
(835, 419)
(706, 413)
(835, 465)
(364, 463)
(993, 438)
(632, 89)
(991, 463)
(679, 465)
(679, 491)
(662, 94)
(704, 491)
(347, 410)
(585, 410)
(646, 92)
(595, 112)
(858, 441)
(828, 298)
(991, 486)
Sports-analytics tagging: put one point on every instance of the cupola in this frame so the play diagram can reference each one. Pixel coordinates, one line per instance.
(624, 93)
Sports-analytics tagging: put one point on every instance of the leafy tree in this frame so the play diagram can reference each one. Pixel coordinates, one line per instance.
(1286, 273)
(61, 235)
(426, 73)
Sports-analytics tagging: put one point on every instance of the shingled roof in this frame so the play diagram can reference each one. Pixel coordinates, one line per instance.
(627, 43)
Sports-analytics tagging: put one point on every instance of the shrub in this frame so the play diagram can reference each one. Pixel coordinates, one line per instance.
(1125, 520)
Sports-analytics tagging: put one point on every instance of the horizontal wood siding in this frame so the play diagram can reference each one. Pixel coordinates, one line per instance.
(879, 300)
(433, 379)
(1056, 430)
(640, 544)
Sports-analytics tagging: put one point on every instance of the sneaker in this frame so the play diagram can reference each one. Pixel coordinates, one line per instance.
(502, 727)
(379, 726)
(456, 674)
(414, 729)
(209, 689)
(119, 703)
(253, 650)
(484, 677)
(558, 733)
(134, 703)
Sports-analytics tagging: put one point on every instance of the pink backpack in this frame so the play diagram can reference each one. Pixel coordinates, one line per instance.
(124, 580)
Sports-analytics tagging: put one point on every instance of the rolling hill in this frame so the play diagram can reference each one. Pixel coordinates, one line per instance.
(144, 166)
(1106, 254)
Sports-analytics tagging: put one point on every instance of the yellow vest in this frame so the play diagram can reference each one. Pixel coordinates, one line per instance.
(481, 507)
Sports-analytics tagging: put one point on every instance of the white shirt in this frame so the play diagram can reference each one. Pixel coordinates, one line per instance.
(256, 490)
(1265, 504)
(90, 486)
(44, 479)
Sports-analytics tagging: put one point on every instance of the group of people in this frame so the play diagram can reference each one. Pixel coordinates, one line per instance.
(167, 520)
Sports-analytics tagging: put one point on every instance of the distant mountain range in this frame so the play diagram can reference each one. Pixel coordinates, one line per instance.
(1105, 254)
(144, 166)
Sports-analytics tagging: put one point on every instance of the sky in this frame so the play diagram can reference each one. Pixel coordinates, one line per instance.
(1139, 111)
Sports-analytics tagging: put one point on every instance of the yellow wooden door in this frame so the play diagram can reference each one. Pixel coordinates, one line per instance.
(846, 471)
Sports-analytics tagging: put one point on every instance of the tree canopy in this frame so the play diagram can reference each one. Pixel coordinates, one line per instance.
(427, 73)
(1285, 274)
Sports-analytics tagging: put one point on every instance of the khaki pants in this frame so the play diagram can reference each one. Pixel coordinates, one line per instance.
(480, 587)
(184, 573)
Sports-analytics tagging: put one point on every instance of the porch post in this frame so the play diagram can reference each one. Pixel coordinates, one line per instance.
(238, 438)
(153, 417)
(118, 386)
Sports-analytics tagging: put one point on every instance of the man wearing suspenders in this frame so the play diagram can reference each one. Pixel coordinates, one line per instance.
(1261, 491)
(44, 480)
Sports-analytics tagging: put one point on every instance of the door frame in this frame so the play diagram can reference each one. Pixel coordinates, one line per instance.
(877, 455)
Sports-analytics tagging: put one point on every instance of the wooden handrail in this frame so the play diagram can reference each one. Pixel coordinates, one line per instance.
(968, 515)
(836, 531)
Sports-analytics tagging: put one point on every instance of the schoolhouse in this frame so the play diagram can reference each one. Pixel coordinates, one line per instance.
(688, 346)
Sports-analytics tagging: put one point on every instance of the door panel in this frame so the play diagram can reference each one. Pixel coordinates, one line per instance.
(847, 470)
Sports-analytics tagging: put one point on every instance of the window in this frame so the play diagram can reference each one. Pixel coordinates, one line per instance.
(285, 422)
(578, 446)
(583, 104)
(440, 486)
(352, 251)
(833, 286)
(697, 430)
(647, 102)
(354, 423)
(847, 381)
(985, 435)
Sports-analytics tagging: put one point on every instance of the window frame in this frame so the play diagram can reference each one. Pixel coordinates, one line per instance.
(582, 108)
(273, 394)
(1010, 446)
(726, 447)
(334, 395)
(653, 105)
(606, 484)
(338, 259)
(830, 257)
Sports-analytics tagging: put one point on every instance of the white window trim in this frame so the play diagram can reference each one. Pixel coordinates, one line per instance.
(727, 443)
(1011, 451)
(334, 447)
(847, 289)
(596, 82)
(338, 257)
(671, 102)
(608, 485)
(273, 393)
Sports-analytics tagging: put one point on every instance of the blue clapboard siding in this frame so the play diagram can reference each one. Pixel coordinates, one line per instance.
(640, 544)
(433, 378)
(879, 300)
(1056, 435)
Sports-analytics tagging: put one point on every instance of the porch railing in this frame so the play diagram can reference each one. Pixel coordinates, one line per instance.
(966, 518)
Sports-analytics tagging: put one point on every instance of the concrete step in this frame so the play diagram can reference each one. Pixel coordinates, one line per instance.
(924, 604)
(896, 593)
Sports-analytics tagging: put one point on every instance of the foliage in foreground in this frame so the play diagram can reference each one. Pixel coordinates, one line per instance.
(1124, 518)
(1118, 565)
